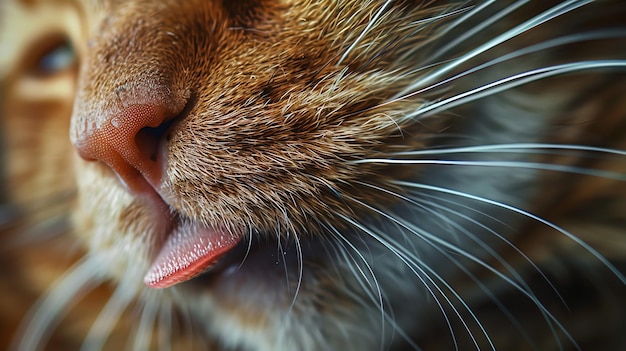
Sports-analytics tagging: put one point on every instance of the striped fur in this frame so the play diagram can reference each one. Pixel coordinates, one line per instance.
(405, 175)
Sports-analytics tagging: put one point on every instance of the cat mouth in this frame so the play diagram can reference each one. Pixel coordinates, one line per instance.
(189, 249)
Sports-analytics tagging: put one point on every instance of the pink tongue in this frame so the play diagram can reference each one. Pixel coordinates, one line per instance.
(188, 251)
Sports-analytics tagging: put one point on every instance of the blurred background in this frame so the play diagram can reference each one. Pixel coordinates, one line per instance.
(38, 69)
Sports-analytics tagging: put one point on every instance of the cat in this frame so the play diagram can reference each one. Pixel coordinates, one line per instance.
(37, 81)
(345, 175)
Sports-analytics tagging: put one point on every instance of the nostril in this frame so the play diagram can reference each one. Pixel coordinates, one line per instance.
(130, 141)
(149, 139)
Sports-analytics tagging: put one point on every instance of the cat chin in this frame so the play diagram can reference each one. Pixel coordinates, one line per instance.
(273, 300)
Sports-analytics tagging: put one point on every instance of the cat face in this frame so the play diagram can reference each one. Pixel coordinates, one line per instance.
(238, 136)
(305, 176)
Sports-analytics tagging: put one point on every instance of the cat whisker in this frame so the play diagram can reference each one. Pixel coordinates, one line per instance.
(473, 31)
(379, 300)
(548, 15)
(520, 211)
(248, 248)
(281, 255)
(416, 27)
(44, 316)
(493, 253)
(367, 280)
(423, 272)
(431, 205)
(110, 314)
(510, 82)
(522, 287)
(553, 43)
(506, 164)
(38, 220)
(296, 293)
(493, 232)
(438, 244)
(371, 23)
(511, 148)
(165, 325)
(370, 285)
(416, 231)
(143, 335)
(471, 10)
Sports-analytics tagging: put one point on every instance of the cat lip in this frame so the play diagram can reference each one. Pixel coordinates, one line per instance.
(185, 248)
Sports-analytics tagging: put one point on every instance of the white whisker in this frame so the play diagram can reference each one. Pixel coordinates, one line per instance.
(370, 23)
(109, 315)
(571, 236)
(300, 272)
(467, 233)
(475, 9)
(500, 260)
(501, 237)
(416, 265)
(511, 148)
(165, 325)
(368, 281)
(434, 241)
(511, 82)
(506, 164)
(150, 302)
(522, 28)
(45, 315)
(580, 37)
(477, 29)
(421, 25)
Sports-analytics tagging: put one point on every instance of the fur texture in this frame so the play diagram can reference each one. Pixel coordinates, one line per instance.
(402, 175)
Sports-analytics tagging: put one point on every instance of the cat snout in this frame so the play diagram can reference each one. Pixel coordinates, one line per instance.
(129, 139)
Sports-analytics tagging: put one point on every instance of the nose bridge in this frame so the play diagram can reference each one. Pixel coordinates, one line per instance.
(128, 90)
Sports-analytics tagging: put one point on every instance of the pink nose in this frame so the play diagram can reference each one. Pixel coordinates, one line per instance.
(129, 140)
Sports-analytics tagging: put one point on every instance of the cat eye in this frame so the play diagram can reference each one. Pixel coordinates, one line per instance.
(55, 55)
